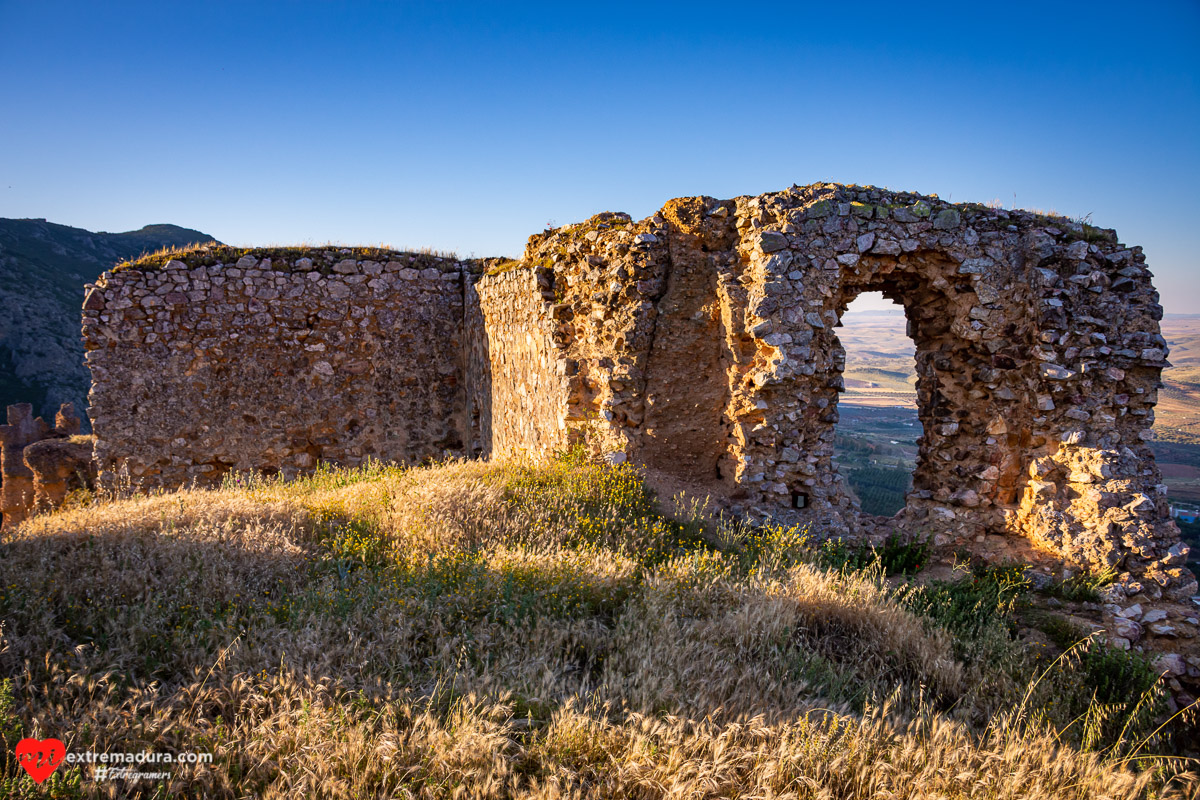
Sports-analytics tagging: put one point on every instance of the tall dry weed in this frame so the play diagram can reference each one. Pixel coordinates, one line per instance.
(473, 630)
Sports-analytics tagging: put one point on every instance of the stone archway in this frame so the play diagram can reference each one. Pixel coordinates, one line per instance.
(973, 324)
(1038, 359)
(947, 392)
(967, 454)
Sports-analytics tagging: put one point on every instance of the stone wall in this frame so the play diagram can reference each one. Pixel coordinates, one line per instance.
(699, 342)
(521, 383)
(275, 363)
(705, 341)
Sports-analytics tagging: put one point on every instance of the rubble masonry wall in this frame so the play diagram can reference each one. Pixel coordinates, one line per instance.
(700, 342)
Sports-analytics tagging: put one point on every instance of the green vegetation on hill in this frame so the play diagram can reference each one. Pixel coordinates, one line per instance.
(43, 269)
(881, 490)
(876, 452)
(519, 630)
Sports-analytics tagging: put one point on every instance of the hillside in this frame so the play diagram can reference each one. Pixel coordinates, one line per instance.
(879, 360)
(511, 630)
(43, 267)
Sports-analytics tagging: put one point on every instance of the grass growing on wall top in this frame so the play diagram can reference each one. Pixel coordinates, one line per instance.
(528, 630)
(498, 266)
(284, 257)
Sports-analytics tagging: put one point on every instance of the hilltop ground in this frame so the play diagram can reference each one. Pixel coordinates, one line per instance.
(476, 630)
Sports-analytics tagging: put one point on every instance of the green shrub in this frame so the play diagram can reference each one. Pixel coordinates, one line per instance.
(977, 610)
(1062, 632)
(769, 549)
(1084, 587)
(897, 556)
(1101, 698)
(605, 506)
(1114, 695)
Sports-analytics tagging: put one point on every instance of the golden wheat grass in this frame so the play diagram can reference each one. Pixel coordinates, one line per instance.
(495, 631)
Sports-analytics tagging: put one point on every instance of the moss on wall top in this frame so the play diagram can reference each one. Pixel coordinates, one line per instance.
(303, 258)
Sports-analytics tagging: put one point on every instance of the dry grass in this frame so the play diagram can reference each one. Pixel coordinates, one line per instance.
(473, 630)
(166, 253)
(209, 253)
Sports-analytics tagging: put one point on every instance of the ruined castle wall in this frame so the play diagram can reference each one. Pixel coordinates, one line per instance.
(1037, 347)
(637, 318)
(39, 464)
(16, 478)
(477, 378)
(520, 383)
(700, 342)
(274, 365)
(608, 276)
(694, 342)
(807, 258)
(1093, 490)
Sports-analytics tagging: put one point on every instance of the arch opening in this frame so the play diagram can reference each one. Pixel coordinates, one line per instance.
(875, 445)
(957, 420)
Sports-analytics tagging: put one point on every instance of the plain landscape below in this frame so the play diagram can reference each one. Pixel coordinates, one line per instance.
(876, 445)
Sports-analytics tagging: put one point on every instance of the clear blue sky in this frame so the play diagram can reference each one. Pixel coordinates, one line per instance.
(469, 126)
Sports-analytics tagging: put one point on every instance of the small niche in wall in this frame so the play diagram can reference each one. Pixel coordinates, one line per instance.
(799, 500)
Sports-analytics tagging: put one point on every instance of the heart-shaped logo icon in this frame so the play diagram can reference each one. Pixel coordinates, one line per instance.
(40, 757)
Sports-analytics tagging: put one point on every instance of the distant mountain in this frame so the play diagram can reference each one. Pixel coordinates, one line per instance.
(43, 267)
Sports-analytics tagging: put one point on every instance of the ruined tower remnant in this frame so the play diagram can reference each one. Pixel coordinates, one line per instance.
(699, 342)
(16, 479)
(40, 464)
(275, 363)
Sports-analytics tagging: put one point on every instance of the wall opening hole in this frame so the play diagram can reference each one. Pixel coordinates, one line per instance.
(799, 500)
(875, 446)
